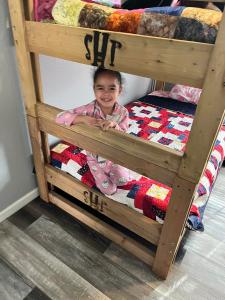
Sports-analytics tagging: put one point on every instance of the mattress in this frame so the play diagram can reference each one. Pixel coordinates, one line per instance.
(182, 23)
(164, 121)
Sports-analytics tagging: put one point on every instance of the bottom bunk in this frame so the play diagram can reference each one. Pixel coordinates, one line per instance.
(162, 120)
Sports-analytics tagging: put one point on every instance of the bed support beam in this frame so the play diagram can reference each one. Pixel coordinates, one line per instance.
(36, 142)
(174, 224)
(36, 68)
(153, 57)
(207, 122)
(23, 55)
(106, 230)
(209, 114)
(29, 74)
(149, 159)
(132, 220)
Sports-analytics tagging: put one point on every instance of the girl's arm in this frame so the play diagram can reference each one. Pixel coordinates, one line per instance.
(78, 115)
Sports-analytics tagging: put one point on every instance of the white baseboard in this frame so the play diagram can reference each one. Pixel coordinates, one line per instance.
(14, 207)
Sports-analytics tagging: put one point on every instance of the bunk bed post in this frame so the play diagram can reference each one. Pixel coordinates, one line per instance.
(35, 63)
(30, 91)
(207, 122)
(173, 227)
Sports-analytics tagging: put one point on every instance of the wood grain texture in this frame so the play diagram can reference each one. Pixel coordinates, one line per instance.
(22, 55)
(208, 117)
(173, 226)
(108, 231)
(179, 285)
(36, 294)
(35, 138)
(12, 285)
(22, 219)
(48, 273)
(148, 158)
(152, 57)
(78, 230)
(120, 213)
(90, 265)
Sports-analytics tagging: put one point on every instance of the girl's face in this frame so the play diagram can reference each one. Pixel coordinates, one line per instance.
(107, 89)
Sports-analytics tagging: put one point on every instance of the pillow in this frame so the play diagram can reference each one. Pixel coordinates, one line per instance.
(43, 9)
(163, 94)
(185, 93)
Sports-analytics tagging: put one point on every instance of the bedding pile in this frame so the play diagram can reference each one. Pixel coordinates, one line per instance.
(160, 125)
(183, 23)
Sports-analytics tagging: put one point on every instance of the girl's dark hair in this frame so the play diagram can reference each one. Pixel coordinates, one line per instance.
(101, 71)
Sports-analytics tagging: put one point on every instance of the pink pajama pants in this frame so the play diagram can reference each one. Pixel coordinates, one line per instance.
(107, 175)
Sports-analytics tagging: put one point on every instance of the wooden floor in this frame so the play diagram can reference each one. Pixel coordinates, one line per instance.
(46, 254)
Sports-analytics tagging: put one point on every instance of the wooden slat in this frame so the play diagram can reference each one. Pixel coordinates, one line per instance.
(12, 285)
(173, 227)
(35, 138)
(120, 213)
(209, 115)
(153, 160)
(22, 54)
(107, 277)
(153, 57)
(108, 231)
(36, 69)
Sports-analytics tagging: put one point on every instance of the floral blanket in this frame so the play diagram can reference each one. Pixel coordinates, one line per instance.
(160, 125)
(183, 23)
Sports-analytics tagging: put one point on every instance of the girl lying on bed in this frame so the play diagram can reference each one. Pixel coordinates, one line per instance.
(104, 112)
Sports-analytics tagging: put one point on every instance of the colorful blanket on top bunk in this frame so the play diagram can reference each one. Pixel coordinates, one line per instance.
(183, 23)
(160, 125)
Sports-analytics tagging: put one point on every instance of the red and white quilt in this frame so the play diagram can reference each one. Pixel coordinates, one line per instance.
(145, 195)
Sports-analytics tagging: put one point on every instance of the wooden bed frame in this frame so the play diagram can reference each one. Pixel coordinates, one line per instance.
(175, 61)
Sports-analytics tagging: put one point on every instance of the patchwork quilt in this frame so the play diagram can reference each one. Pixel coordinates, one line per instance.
(183, 23)
(160, 125)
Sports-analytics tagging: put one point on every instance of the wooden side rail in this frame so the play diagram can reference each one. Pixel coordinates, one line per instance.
(157, 58)
(147, 158)
(103, 228)
(120, 213)
(209, 115)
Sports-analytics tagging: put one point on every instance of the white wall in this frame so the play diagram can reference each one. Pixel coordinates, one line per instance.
(68, 85)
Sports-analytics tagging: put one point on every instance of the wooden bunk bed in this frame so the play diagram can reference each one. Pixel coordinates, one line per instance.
(191, 63)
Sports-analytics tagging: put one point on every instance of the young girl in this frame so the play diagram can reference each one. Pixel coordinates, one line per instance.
(104, 112)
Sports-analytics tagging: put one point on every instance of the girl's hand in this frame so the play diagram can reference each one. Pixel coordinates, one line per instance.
(105, 124)
(65, 118)
(86, 120)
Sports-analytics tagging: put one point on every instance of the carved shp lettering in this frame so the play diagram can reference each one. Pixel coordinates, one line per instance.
(94, 201)
(100, 50)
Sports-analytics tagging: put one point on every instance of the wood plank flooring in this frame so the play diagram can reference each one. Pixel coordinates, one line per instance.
(46, 254)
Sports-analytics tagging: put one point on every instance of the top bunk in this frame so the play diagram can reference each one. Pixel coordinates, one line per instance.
(171, 60)
(160, 58)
